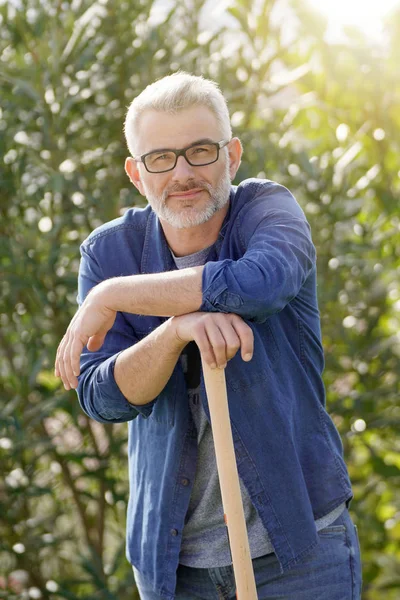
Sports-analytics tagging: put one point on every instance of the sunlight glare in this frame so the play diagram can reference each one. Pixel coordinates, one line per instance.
(366, 15)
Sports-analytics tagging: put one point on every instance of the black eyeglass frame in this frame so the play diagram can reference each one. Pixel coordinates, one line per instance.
(182, 152)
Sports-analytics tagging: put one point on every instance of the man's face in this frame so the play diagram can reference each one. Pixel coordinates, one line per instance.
(187, 196)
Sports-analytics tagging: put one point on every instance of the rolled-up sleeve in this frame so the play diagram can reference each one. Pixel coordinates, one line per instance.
(278, 257)
(98, 393)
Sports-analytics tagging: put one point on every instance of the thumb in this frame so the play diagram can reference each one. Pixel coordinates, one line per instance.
(95, 342)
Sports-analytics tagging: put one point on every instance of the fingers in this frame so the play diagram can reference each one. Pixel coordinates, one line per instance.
(59, 366)
(218, 344)
(246, 336)
(73, 365)
(94, 343)
(219, 336)
(89, 325)
(205, 348)
(225, 342)
(68, 358)
(57, 371)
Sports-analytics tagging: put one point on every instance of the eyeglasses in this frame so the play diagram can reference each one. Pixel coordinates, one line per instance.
(197, 155)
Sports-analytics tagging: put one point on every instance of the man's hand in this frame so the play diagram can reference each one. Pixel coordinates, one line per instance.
(89, 327)
(218, 336)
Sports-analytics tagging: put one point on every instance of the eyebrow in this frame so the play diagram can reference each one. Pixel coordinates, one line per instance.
(200, 141)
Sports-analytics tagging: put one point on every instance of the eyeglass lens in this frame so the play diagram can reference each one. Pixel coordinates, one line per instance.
(201, 154)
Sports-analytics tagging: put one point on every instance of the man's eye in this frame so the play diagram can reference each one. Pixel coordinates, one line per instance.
(200, 149)
(162, 157)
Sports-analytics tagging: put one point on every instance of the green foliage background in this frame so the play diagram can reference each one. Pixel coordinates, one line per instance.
(323, 119)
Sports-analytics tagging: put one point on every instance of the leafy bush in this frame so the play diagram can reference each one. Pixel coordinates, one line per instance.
(321, 119)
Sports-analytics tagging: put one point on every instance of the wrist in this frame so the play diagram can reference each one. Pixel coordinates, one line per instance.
(102, 294)
(172, 332)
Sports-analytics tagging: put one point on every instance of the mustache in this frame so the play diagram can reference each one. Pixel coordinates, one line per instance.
(191, 185)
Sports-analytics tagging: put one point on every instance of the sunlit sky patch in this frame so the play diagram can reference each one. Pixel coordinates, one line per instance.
(366, 15)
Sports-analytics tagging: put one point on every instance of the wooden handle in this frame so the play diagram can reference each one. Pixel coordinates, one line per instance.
(214, 380)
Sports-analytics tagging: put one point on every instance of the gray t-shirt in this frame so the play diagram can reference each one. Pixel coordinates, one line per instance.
(204, 539)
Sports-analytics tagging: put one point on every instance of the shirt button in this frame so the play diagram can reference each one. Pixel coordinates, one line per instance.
(174, 532)
(185, 481)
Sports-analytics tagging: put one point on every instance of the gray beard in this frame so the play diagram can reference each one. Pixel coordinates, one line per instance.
(219, 197)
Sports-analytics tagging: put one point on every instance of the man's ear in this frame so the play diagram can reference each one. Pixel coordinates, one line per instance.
(235, 150)
(132, 171)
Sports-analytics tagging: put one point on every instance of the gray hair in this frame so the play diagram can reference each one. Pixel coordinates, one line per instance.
(174, 93)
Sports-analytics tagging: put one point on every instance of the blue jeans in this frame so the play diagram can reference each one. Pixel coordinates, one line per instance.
(331, 571)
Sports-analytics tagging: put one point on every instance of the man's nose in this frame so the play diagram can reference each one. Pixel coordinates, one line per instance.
(182, 170)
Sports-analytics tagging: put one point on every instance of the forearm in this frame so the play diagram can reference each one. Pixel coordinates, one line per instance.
(158, 294)
(142, 371)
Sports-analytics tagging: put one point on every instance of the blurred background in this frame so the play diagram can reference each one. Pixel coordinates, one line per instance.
(314, 93)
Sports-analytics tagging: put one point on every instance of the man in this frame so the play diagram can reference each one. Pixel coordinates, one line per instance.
(212, 267)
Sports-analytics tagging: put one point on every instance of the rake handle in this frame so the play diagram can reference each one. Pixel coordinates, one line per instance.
(215, 383)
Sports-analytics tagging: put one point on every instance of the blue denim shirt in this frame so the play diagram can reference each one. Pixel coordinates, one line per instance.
(289, 453)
